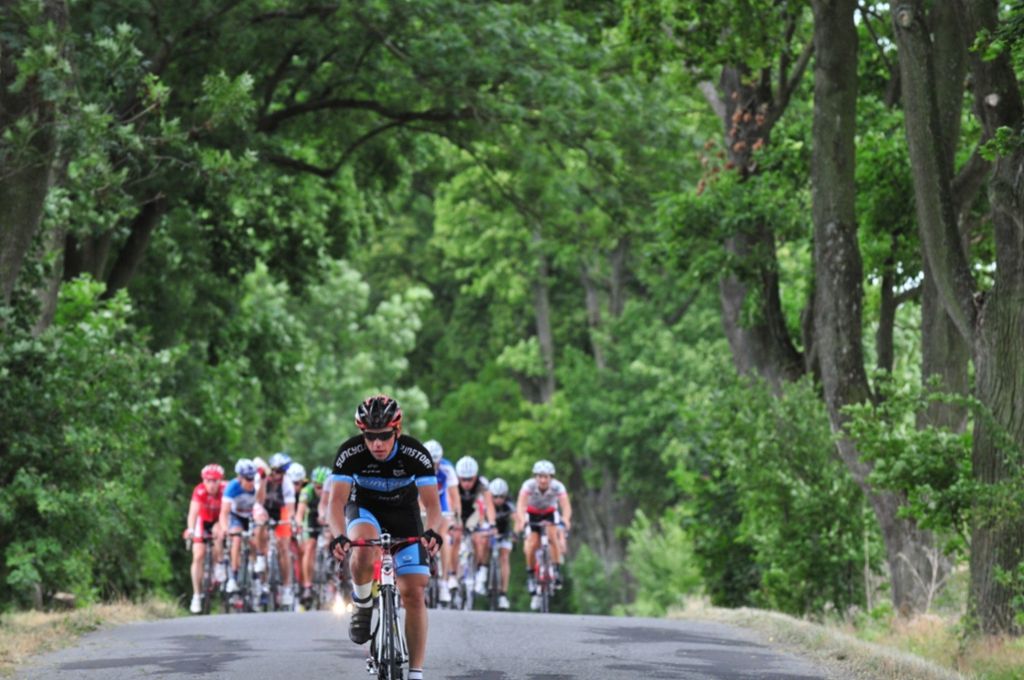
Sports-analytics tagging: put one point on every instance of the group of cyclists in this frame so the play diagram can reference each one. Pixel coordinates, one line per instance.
(382, 481)
(264, 497)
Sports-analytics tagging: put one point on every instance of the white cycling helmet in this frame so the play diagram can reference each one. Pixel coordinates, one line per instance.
(466, 467)
(245, 468)
(544, 467)
(434, 447)
(280, 461)
(296, 473)
(499, 487)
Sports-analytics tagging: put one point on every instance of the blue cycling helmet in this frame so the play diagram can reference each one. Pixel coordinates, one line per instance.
(280, 461)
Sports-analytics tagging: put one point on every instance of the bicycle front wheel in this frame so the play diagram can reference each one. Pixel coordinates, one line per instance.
(389, 666)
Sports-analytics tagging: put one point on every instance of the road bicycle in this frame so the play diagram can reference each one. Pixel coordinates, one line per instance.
(247, 597)
(494, 574)
(388, 649)
(543, 567)
(330, 583)
(462, 596)
(432, 593)
(209, 588)
(275, 582)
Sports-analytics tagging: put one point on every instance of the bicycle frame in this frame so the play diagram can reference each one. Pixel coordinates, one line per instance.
(543, 570)
(494, 575)
(245, 599)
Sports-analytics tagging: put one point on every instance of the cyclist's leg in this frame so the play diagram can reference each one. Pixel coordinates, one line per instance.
(482, 548)
(411, 586)
(530, 546)
(198, 553)
(283, 536)
(218, 543)
(554, 543)
(452, 549)
(503, 558)
(308, 560)
(361, 524)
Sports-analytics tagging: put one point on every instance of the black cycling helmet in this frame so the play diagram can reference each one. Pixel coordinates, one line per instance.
(378, 413)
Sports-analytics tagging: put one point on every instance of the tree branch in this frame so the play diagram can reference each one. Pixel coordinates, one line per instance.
(786, 92)
(710, 92)
(330, 171)
(969, 180)
(271, 122)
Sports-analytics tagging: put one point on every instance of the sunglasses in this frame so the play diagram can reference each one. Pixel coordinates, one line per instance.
(278, 471)
(379, 436)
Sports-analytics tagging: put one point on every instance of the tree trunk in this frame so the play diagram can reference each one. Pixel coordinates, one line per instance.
(884, 347)
(599, 514)
(995, 325)
(134, 249)
(932, 168)
(50, 290)
(997, 540)
(593, 304)
(762, 345)
(27, 176)
(838, 269)
(542, 316)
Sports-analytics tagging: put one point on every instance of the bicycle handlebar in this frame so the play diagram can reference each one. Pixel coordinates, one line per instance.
(396, 543)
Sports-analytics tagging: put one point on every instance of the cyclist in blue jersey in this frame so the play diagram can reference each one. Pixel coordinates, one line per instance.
(451, 507)
(389, 472)
(240, 497)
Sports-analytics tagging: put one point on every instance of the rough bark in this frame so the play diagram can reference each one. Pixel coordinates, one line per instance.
(27, 177)
(932, 168)
(133, 250)
(839, 271)
(997, 542)
(884, 346)
(50, 289)
(599, 513)
(593, 304)
(763, 345)
(542, 317)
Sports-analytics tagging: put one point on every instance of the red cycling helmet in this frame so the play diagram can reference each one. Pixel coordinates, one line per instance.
(378, 413)
(213, 471)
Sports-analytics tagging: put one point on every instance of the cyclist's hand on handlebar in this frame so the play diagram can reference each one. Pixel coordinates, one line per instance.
(187, 534)
(340, 546)
(431, 540)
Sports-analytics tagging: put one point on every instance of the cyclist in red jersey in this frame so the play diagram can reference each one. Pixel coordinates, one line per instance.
(204, 520)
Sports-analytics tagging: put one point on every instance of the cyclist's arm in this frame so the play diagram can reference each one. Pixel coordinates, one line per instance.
(193, 512)
(336, 506)
(566, 509)
(225, 508)
(432, 502)
(261, 490)
(489, 508)
(521, 510)
(300, 514)
(454, 501)
(321, 511)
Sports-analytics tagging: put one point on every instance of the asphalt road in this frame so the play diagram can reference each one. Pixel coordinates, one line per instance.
(462, 646)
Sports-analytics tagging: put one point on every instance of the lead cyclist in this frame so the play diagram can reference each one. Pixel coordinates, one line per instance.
(389, 473)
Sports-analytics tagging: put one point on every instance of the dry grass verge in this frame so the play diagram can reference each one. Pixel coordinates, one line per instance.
(25, 634)
(842, 655)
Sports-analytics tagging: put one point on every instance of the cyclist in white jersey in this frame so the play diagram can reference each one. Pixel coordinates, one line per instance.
(539, 500)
